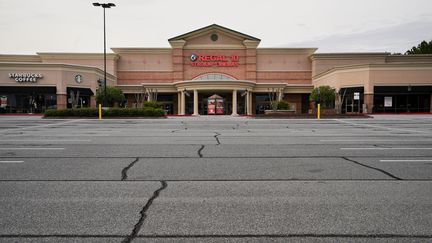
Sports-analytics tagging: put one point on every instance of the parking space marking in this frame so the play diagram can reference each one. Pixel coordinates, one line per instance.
(378, 148)
(375, 140)
(46, 140)
(11, 161)
(405, 160)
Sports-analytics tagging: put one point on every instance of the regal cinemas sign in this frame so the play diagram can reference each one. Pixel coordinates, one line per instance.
(214, 60)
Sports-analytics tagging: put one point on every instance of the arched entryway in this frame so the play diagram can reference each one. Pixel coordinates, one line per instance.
(193, 94)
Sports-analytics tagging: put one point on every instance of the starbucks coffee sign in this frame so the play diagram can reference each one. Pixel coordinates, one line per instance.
(25, 77)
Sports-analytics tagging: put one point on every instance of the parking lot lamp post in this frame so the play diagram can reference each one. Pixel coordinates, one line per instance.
(104, 6)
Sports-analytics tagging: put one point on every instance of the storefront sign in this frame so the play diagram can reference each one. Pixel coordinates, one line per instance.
(78, 78)
(388, 101)
(25, 77)
(356, 96)
(214, 60)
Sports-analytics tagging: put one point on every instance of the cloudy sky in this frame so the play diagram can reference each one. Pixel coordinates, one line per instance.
(30, 26)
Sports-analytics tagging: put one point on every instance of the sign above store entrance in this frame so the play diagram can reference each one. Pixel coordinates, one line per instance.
(214, 60)
(25, 77)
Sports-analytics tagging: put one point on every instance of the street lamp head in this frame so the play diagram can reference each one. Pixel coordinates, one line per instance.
(104, 5)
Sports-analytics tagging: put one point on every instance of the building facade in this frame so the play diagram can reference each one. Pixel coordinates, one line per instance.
(216, 70)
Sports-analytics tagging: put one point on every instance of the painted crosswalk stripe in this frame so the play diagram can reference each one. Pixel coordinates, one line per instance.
(11, 161)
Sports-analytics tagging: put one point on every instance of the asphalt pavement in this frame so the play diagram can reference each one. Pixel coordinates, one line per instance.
(216, 179)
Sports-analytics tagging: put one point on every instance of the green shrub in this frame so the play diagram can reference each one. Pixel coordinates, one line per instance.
(280, 105)
(152, 104)
(326, 96)
(112, 112)
(283, 105)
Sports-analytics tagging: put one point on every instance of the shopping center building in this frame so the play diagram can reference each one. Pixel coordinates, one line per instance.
(216, 70)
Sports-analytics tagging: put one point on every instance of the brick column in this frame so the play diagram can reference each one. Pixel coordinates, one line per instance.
(251, 59)
(61, 101)
(368, 101)
(93, 101)
(177, 59)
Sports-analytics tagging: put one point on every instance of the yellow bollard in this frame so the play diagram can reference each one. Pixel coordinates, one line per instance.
(319, 111)
(100, 112)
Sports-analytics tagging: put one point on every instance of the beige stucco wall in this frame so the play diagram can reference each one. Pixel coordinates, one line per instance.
(325, 61)
(54, 75)
(357, 77)
(83, 59)
(284, 59)
(144, 59)
(19, 58)
(418, 74)
(372, 75)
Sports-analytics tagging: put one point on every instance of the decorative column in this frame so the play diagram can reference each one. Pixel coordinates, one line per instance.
(368, 101)
(178, 103)
(248, 103)
(182, 103)
(234, 103)
(195, 113)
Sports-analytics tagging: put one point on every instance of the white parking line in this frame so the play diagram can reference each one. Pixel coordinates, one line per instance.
(378, 148)
(375, 140)
(11, 161)
(405, 160)
(31, 148)
(46, 140)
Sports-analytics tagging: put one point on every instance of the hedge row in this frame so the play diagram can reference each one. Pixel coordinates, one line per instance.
(112, 112)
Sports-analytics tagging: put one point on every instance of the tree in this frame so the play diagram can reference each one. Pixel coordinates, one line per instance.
(326, 96)
(422, 48)
(114, 95)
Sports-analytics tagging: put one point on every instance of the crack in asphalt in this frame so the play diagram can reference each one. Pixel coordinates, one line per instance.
(217, 139)
(374, 168)
(125, 170)
(200, 150)
(143, 213)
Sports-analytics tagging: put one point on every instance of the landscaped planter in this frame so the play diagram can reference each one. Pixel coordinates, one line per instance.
(326, 111)
(280, 112)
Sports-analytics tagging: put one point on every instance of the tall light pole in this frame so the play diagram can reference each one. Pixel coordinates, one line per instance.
(104, 6)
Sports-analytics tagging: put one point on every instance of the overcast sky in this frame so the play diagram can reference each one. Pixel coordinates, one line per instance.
(30, 26)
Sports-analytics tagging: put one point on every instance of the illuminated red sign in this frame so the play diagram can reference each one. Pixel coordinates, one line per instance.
(214, 60)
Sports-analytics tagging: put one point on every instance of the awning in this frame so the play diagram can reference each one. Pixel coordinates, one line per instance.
(82, 91)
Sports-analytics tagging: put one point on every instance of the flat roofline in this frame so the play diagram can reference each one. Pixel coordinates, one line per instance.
(372, 66)
(141, 49)
(59, 55)
(348, 55)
